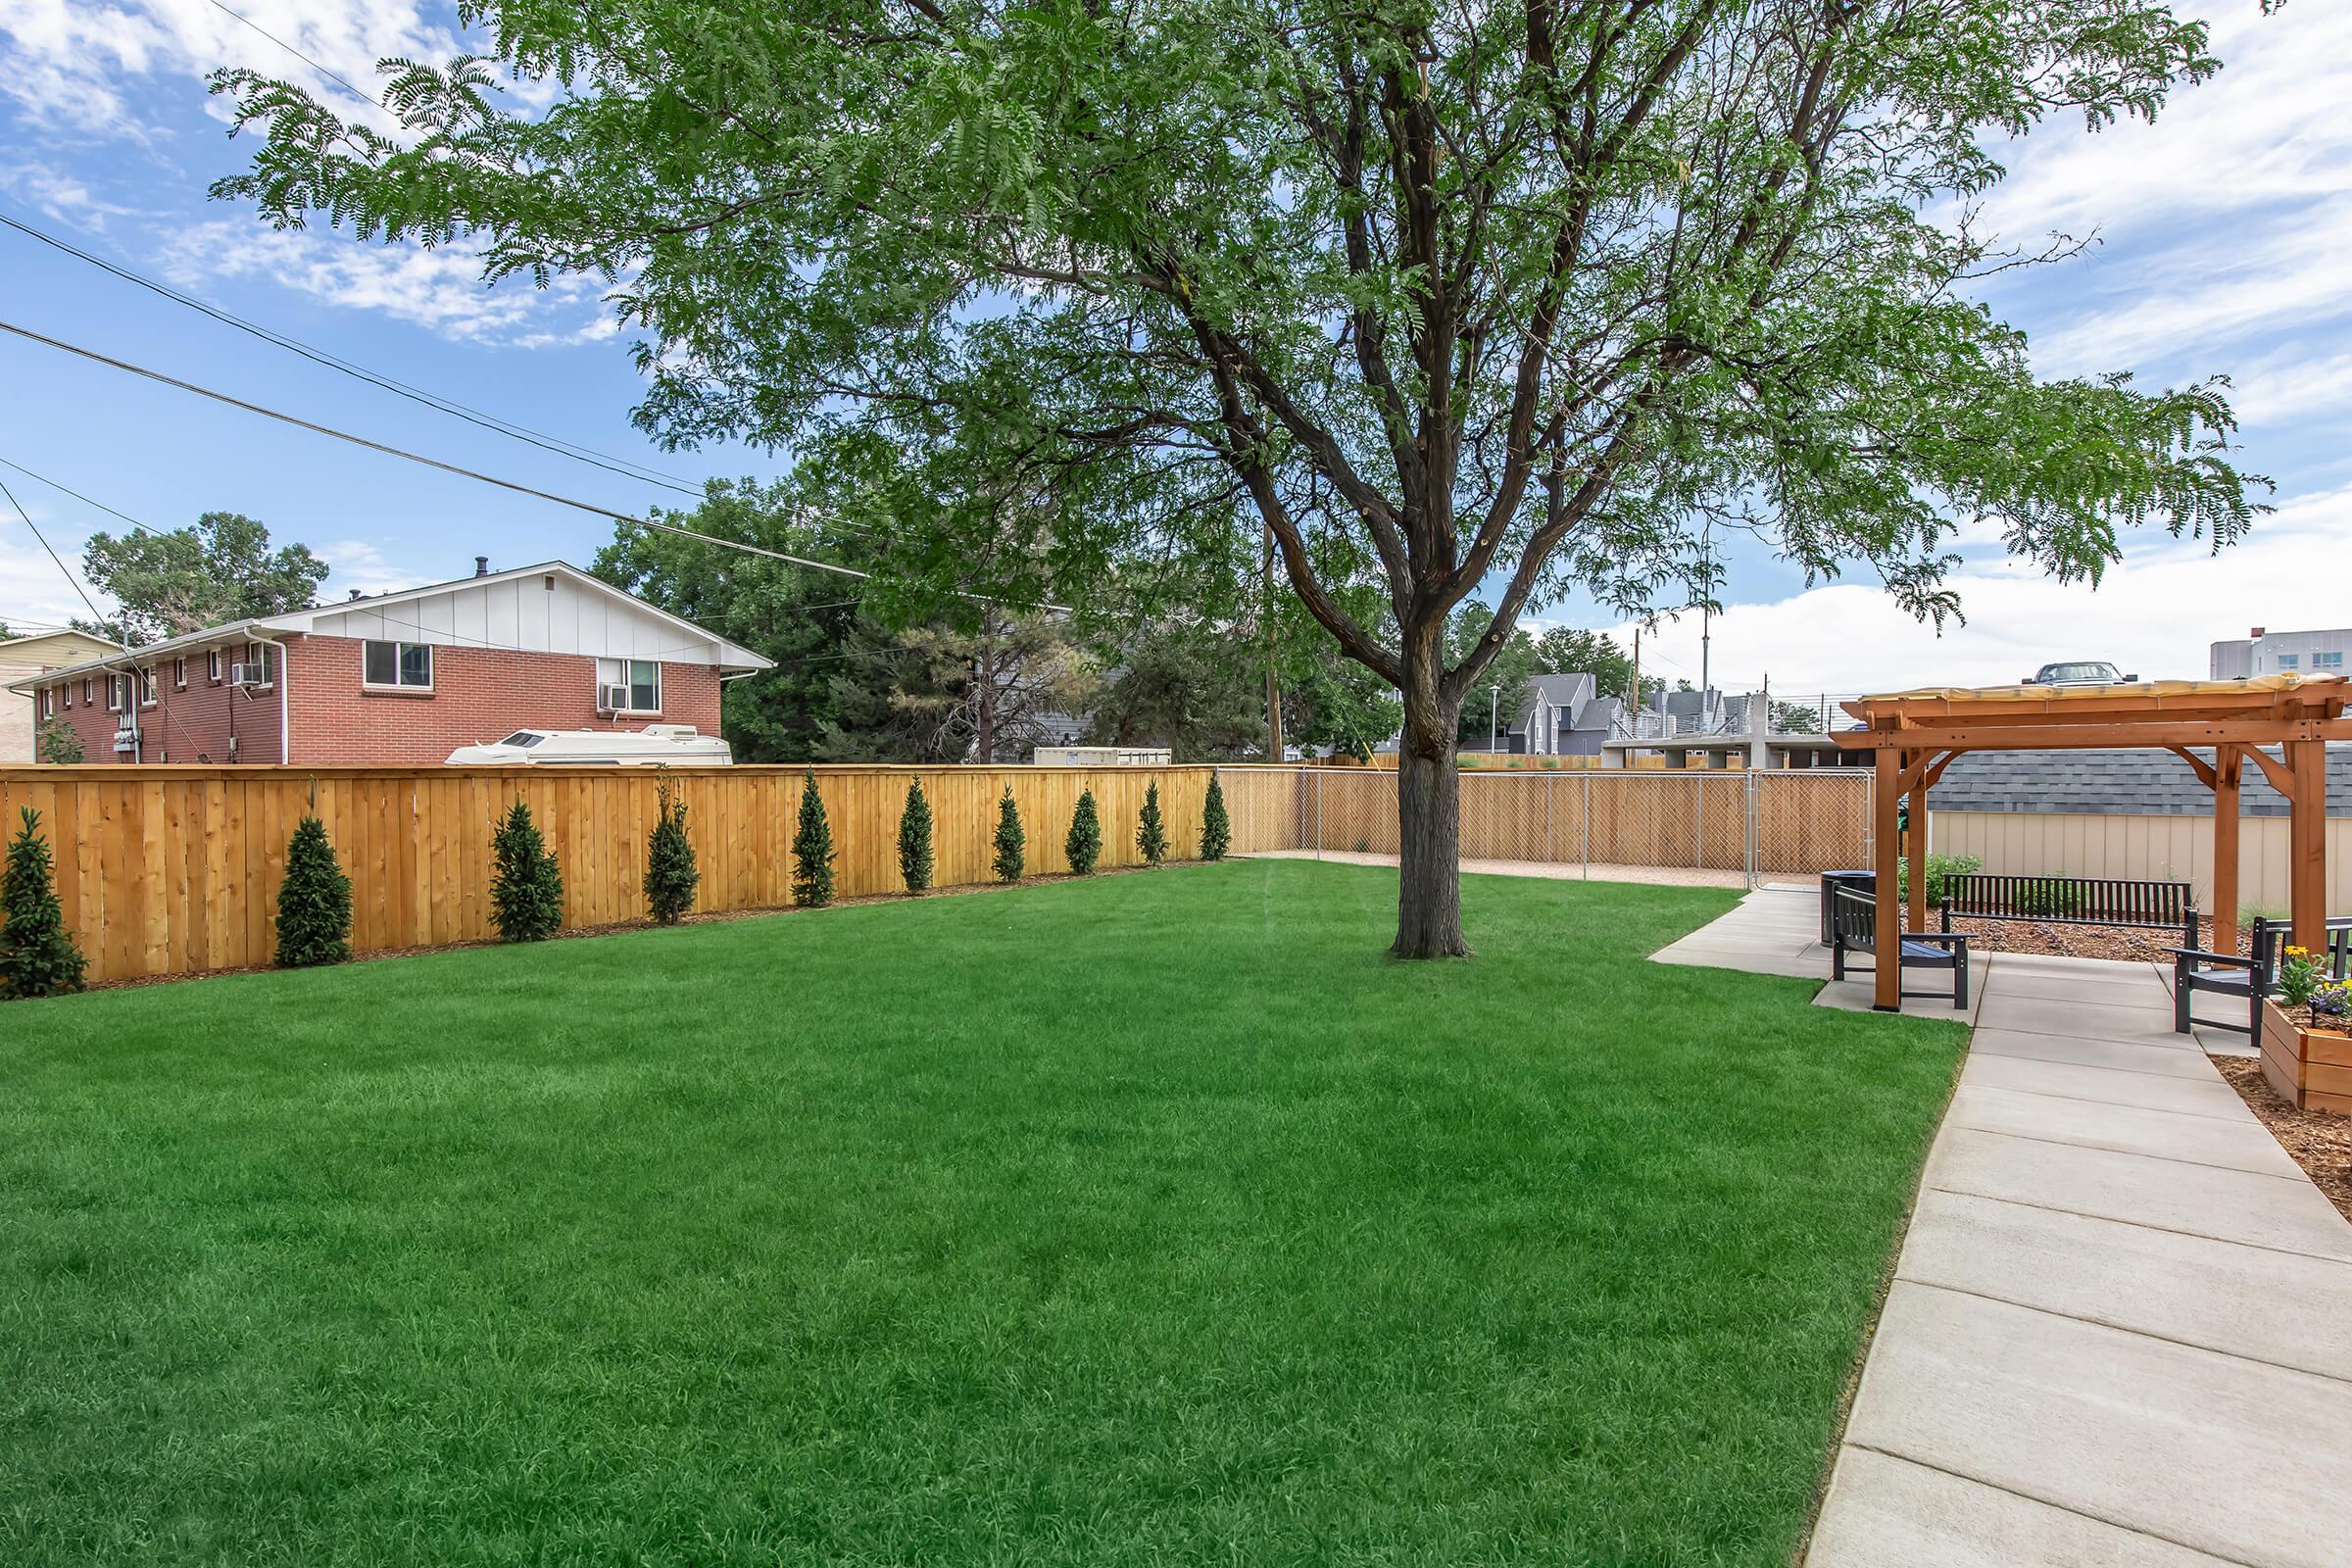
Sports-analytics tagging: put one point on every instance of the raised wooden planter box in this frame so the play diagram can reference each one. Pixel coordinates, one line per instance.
(2313, 1068)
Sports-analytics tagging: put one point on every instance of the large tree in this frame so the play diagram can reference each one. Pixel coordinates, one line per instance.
(1508, 296)
(221, 568)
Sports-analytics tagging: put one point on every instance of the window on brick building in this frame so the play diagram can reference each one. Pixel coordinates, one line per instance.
(212, 665)
(146, 688)
(406, 664)
(179, 675)
(642, 677)
(87, 700)
(258, 668)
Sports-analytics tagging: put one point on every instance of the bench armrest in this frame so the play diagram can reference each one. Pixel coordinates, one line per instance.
(1957, 939)
(2226, 960)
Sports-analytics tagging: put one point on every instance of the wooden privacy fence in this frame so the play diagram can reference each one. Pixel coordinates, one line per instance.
(173, 869)
(169, 869)
(1776, 823)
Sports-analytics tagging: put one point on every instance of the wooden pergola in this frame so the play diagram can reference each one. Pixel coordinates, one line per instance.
(1916, 734)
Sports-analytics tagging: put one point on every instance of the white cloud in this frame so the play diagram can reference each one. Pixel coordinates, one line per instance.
(2266, 130)
(440, 290)
(70, 64)
(2154, 615)
(356, 564)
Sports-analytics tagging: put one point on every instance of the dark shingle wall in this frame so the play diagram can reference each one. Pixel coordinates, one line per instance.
(2133, 783)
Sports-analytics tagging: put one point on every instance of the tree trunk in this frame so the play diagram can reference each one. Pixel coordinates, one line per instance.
(1429, 880)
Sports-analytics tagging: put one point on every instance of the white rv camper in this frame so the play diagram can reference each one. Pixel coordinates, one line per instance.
(678, 744)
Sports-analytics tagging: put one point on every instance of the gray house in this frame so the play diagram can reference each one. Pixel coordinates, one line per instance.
(1564, 716)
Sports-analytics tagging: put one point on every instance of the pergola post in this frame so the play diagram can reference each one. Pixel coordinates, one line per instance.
(2229, 767)
(2307, 843)
(1886, 977)
(1916, 913)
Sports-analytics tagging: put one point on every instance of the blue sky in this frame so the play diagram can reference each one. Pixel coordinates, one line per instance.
(2225, 231)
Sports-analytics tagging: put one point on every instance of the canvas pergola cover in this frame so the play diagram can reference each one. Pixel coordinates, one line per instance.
(1915, 735)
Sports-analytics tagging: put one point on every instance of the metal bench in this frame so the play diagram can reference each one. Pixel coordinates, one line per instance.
(2250, 978)
(2072, 901)
(1854, 927)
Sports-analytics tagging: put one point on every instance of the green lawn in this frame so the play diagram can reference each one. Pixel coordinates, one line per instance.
(1153, 1220)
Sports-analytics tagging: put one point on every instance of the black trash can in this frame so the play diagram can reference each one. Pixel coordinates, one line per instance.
(1830, 882)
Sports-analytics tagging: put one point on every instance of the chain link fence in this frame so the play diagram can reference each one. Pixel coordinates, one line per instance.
(1738, 827)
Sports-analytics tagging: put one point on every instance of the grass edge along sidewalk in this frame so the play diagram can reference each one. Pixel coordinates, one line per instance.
(1140, 1220)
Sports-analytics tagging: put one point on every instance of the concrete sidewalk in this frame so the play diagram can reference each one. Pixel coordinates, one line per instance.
(2120, 1331)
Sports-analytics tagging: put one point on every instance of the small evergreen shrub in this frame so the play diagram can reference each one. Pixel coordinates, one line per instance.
(1940, 867)
(1150, 832)
(527, 884)
(1216, 828)
(1084, 845)
(914, 840)
(37, 955)
(1011, 842)
(59, 742)
(313, 902)
(670, 874)
(813, 851)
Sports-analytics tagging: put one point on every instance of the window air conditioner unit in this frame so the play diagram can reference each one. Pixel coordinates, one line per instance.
(244, 675)
(612, 698)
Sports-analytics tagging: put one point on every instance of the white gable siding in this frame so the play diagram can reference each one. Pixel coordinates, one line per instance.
(526, 614)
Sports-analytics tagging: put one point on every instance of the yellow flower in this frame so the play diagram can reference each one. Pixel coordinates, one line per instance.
(2300, 953)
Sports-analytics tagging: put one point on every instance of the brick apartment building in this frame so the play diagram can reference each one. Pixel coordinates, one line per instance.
(399, 679)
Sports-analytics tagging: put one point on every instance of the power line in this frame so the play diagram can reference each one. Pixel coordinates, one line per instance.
(297, 54)
(496, 424)
(451, 467)
(132, 691)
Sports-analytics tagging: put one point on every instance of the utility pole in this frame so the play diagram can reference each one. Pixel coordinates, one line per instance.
(1494, 716)
(1636, 704)
(1274, 749)
(1706, 607)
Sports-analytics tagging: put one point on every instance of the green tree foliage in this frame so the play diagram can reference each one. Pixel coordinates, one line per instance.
(1012, 843)
(1216, 827)
(314, 901)
(915, 839)
(670, 872)
(1494, 703)
(1084, 844)
(527, 884)
(1564, 650)
(57, 742)
(813, 850)
(1528, 297)
(1150, 831)
(865, 672)
(220, 569)
(37, 955)
(1179, 684)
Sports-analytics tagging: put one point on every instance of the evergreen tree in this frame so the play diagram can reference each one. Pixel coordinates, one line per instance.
(915, 839)
(670, 874)
(1011, 840)
(527, 884)
(37, 955)
(313, 902)
(1152, 833)
(813, 851)
(59, 743)
(1216, 828)
(1084, 845)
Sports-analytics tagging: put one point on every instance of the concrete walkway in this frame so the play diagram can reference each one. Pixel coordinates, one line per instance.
(2120, 1331)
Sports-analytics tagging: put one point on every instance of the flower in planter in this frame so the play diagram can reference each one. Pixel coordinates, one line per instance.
(2300, 976)
(2332, 1000)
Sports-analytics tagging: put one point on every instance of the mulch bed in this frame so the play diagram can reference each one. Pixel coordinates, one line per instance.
(2319, 1141)
(2131, 944)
